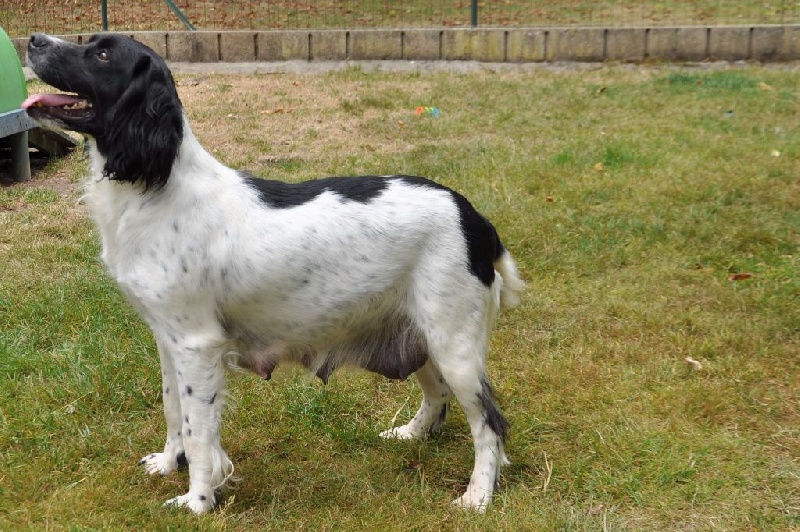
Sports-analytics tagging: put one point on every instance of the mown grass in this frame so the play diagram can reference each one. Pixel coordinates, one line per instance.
(630, 197)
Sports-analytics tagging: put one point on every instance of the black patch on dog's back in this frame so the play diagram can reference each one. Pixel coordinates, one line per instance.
(483, 244)
(280, 195)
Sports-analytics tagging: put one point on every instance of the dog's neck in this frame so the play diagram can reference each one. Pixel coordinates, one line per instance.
(197, 178)
(192, 161)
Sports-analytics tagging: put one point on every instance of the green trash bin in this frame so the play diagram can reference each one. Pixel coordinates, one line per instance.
(14, 122)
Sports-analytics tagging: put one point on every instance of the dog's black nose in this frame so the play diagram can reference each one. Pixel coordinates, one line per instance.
(38, 40)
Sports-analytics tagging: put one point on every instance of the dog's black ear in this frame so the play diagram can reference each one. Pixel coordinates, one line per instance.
(144, 128)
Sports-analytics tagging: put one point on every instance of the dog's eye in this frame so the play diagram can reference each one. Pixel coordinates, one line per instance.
(102, 55)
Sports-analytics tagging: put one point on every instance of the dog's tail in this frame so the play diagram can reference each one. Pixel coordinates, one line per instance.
(511, 283)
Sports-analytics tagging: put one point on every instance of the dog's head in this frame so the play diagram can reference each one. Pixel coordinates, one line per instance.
(123, 95)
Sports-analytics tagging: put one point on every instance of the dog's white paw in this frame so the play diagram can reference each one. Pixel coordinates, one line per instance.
(400, 433)
(473, 500)
(198, 503)
(162, 463)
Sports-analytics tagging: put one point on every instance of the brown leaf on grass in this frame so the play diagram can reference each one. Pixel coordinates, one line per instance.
(549, 199)
(413, 466)
(277, 111)
(765, 87)
(598, 167)
(740, 276)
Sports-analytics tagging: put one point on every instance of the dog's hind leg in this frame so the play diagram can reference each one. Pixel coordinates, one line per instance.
(432, 412)
(463, 370)
(457, 330)
(173, 456)
(455, 314)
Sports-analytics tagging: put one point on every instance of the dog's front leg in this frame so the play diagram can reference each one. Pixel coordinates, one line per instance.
(173, 456)
(201, 389)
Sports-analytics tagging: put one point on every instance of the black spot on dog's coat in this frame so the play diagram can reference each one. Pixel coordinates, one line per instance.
(491, 414)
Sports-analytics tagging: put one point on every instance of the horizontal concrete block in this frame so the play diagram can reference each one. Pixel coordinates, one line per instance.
(21, 46)
(474, 45)
(77, 38)
(790, 46)
(376, 44)
(193, 46)
(282, 45)
(626, 44)
(677, 44)
(525, 45)
(422, 45)
(330, 45)
(766, 42)
(576, 44)
(692, 43)
(237, 46)
(155, 40)
(775, 43)
(729, 44)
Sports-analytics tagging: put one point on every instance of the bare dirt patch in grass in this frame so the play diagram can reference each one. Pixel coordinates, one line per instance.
(59, 180)
(295, 117)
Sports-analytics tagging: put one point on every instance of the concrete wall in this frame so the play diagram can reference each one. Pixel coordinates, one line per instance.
(513, 45)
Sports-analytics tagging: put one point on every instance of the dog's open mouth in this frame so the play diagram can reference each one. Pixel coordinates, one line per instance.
(64, 107)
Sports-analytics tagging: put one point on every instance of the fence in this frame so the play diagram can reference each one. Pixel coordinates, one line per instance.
(78, 16)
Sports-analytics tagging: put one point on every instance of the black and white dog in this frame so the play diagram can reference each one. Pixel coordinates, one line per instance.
(394, 274)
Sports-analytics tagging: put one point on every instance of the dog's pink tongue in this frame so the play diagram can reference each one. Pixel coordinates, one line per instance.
(49, 100)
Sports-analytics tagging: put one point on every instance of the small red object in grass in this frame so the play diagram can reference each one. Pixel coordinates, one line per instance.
(740, 276)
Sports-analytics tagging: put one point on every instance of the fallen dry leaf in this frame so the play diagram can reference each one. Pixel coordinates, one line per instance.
(740, 276)
(765, 87)
(277, 111)
(598, 167)
(694, 363)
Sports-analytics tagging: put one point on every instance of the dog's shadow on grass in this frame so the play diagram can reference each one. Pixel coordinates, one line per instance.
(432, 470)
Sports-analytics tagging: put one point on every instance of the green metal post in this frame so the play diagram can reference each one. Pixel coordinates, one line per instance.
(104, 14)
(178, 13)
(20, 158)
(474, 13)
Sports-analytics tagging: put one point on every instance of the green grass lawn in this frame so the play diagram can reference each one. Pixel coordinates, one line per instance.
(631, 197)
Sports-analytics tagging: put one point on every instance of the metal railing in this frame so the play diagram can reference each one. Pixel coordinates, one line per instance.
(20, 18)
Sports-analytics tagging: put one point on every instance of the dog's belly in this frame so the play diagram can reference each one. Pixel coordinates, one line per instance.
(391, 347)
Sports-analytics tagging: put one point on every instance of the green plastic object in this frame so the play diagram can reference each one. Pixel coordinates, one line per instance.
(14, 122)
(12, 80)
